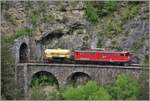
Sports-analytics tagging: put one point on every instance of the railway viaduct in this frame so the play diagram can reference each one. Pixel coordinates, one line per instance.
(65, 72)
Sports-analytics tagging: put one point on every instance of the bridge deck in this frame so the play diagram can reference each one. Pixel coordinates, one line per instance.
(86, 65)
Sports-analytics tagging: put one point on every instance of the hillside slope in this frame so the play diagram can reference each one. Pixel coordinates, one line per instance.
(117, 26)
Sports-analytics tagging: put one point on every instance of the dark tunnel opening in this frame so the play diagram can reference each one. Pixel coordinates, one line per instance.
(23, 53)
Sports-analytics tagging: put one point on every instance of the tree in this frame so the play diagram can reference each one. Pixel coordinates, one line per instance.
(124, 88)
(90, 91)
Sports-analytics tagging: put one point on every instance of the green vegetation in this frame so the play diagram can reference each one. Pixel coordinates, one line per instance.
(9, 87)
(90, 91)
(130, 12)
(19, 33)
(47, 18)
(42, 80)
(144, 82)
(113, 26)
(43, 93)
(123, 88)
(95, 10)
(137, 44)
(34, 19)
(91, 13)
(107, 8)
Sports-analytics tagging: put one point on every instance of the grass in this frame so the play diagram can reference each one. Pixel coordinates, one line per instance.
(129, 12)
(19, 33)
(138, 44)
(91, 13)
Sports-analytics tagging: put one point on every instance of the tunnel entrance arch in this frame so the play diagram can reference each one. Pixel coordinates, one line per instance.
(44, 78)
(23, 53)
(78, 78)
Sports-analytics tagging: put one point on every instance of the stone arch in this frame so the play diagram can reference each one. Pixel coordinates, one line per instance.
(45, 73)
(18, 43)
(77, 78)
(23, 53)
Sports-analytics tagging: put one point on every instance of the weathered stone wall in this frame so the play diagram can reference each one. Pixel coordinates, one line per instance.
(102, 74)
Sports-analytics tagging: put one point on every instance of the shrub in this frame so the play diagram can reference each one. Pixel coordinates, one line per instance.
(107, 8)
(34, 19)
(91, 13)
(124, 88)
(130, 12)
(138, 44)
(19, 33)
(43, 80)
(37, 94)
(9, 88)
(90, 91)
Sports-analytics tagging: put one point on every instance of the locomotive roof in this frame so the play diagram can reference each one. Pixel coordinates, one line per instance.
(103, 51)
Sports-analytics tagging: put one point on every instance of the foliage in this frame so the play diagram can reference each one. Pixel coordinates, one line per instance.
(111, 28)
(130, 11)
(124, 88)
(19, 33)
(34, 19)
(47, 18)
(91, 13)
(90, 91)
(95, 10)
(43, 80)
(107, 8)
(137, 44)
(144, 82)
(37, 94)
(9, 88)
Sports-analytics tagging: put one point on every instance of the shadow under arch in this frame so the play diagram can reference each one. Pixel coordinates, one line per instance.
(50, 78)
(23, 53)
(78, 78)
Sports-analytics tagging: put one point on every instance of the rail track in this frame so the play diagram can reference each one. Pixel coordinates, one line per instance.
(86, 65)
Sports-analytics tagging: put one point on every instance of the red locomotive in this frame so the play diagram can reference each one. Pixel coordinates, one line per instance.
(89, 56)
(103, 56)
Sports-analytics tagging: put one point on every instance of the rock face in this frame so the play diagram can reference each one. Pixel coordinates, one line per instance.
(58, 24)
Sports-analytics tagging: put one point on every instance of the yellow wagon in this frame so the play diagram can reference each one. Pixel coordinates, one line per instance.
(57, 53)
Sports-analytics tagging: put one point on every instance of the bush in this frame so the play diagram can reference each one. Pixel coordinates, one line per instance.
(34, 19)
(130, 12)
(9, 88)
(90, 91)
(43, 79)
(108, 8)
(19, 33)
(124, 88)
(91, 13)
(37, 94)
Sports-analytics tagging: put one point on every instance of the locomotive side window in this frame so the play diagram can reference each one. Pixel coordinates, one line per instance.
(122, 54)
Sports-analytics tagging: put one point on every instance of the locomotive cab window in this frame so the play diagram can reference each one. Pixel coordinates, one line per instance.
(127, 54)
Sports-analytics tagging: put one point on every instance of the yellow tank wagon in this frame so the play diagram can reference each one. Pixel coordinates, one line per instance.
(57, 53)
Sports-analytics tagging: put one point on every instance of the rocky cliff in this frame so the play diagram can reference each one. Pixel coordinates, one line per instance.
(64, 24)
